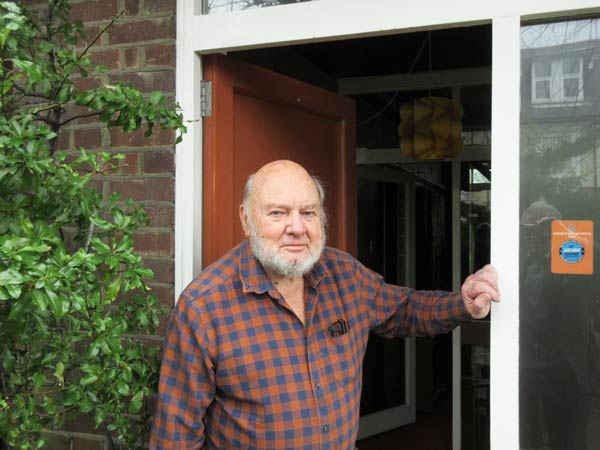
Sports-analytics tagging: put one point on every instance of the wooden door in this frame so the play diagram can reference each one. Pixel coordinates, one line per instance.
(260, 116)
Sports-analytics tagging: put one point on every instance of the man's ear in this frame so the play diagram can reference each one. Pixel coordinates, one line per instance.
(244, 220)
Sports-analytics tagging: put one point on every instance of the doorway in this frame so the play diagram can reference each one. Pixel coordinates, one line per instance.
(380, 73)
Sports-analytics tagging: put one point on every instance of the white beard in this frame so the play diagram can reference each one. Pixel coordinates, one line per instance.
(278, 264)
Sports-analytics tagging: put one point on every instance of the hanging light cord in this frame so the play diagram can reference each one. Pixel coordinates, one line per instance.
(387, 105)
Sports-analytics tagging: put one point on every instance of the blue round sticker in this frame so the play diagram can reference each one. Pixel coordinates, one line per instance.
(571, 252)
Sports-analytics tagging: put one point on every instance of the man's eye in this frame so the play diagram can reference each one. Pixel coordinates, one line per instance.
(309, 213)
(276, 213)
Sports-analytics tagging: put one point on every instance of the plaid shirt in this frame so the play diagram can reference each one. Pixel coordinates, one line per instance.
(240, 370)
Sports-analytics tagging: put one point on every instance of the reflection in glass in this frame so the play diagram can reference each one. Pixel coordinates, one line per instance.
(560, 175)
(475, 190)
(215, 6)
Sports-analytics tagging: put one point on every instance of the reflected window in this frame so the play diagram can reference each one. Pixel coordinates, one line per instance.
(557, 80)
(218, 6)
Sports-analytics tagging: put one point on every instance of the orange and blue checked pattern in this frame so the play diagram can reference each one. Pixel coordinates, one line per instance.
(241, 371)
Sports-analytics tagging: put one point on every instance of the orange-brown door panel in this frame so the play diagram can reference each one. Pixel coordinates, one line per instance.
(260, 116)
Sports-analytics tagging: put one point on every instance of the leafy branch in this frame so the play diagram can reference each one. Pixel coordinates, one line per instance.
(74, 298)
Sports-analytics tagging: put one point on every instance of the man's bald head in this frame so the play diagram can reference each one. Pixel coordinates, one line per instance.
(281, 168)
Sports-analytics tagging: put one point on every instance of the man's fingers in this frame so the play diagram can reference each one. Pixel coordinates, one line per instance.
(477, 288)
(484, 280)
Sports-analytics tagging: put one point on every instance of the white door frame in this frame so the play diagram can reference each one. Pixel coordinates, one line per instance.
(341, 19)
(504, 331)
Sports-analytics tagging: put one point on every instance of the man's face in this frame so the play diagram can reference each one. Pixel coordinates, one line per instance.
(285, 220)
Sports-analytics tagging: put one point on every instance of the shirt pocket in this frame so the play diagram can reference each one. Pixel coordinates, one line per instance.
(343, 362)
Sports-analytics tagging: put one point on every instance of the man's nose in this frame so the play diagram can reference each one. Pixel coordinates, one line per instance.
(295, 224)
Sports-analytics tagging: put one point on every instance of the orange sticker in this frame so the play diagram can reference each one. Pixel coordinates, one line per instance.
(572, 247)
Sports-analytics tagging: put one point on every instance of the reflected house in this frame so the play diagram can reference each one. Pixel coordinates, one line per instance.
(219, 6)
(560, 87)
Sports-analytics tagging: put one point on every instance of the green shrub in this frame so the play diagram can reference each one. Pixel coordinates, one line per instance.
(67, 346)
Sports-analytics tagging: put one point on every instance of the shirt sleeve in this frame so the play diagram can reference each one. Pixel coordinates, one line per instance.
(401, 311)
(187, 383)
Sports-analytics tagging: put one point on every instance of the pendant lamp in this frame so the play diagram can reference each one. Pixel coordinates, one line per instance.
(430, 128)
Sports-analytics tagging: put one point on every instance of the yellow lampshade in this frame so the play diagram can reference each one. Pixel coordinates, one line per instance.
(431, 128)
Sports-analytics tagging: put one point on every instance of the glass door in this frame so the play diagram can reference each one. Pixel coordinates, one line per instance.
(386, 245)
(559, 362)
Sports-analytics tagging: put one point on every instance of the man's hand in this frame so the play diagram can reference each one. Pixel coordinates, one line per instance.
(480, 290)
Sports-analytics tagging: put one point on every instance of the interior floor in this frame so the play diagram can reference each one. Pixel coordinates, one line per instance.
(431, 431)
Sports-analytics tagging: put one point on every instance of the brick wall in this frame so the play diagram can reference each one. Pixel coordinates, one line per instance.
(140, 49)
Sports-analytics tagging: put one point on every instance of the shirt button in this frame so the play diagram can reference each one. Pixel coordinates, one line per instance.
(318, 384)
(325, 428)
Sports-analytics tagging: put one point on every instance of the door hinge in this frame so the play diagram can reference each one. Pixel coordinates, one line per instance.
(205, 98)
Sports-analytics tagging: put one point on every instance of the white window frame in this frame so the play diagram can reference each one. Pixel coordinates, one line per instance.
(340, 19)
(556, 80)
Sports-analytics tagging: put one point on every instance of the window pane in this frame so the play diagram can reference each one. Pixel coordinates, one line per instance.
(559, 356)
(215, 6)
(571, 66)
(542, 89)
(571, 87)
(542, 69)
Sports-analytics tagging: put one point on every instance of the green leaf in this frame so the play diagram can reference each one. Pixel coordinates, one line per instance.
(59, 372)
(113, 290)
(100, 246)
(136, 402)
(10, 277)
(122, 388)
(38, 380)
(13, 290)
(8, 359)
(40, 248)
(88, 379)
(55, 302)
(39, 299)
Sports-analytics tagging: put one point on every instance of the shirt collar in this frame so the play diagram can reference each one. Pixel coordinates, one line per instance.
(255, 279)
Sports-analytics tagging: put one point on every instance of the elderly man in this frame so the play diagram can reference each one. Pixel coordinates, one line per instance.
(265, 346)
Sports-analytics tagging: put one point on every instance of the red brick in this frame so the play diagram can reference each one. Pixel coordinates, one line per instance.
(131, 57)
(158, 189)
(64, 140)
(159, 162)
(160, 55)
(34, 3)
(108, 58)
(161, 216)
(160, 80)
(87, 138)
(73, 110)
(90, 31)
(159, 5)
(161, 330)
(163, 268)
(59, 441)
(55, 441)
(83, 423)
(142, 30)
(96, 442)
(97, 185)
(165, 295)
(132, 7)
(94, 10)
(154, 243)
(131, 163)
(136, 138)
(85, 84)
